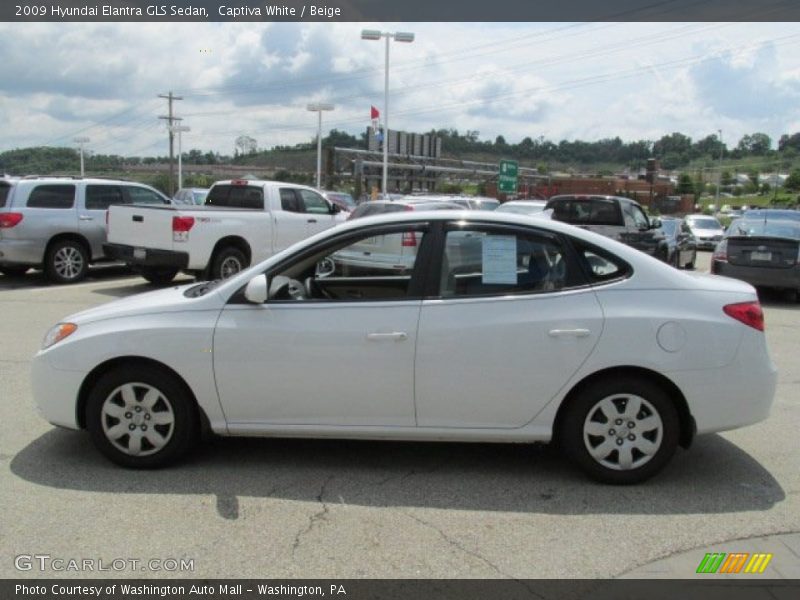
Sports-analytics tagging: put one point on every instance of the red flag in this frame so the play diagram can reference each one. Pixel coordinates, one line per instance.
(374, 113)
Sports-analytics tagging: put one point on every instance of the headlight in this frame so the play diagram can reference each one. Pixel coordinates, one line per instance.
(58, 333)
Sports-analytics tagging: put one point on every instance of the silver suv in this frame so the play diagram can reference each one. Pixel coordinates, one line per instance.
(59, 223)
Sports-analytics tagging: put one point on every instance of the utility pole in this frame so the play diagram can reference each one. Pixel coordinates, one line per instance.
(170, 122)
(81, 141)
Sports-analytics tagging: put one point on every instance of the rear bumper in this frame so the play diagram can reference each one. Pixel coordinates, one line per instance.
(760, 276)
(21, 252)
(152, 257)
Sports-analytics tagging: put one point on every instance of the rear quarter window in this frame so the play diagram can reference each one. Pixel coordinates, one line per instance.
(236, 196)
(52, 196)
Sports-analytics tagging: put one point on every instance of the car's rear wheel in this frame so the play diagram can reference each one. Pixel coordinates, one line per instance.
(621, 431)
(141, 417)
(67, 261)
(159, 275)
(227, 262)
(14, 271)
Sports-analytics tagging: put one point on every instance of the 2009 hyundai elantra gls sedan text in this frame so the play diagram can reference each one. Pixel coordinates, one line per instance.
(505, 328)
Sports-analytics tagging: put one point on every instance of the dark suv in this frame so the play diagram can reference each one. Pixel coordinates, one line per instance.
(621, 219)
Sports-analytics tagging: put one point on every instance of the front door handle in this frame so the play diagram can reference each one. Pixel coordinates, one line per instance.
(312, 220)
(86, 218)
(396, 336)
(569, 333)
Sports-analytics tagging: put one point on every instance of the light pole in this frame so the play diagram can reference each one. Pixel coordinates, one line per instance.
(179, 129)
(719, 179)
(81, 141)
(399, 36)
(318, 107)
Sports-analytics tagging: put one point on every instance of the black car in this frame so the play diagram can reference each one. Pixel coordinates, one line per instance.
(619, 218)
(760, 251)
(680, 241)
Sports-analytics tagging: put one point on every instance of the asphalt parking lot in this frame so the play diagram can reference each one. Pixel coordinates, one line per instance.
(295, 508)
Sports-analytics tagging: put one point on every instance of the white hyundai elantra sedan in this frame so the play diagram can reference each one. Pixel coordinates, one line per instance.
(504, 328)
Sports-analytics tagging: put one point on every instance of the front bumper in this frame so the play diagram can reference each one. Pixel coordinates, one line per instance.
(55, 392)
(146, 257)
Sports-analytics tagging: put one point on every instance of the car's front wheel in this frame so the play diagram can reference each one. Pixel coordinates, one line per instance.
(621, 431)
(141, 417)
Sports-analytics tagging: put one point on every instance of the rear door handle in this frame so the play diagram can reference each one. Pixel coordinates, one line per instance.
(312, 220)
(569, 333)
(396, 336)
(86, 218)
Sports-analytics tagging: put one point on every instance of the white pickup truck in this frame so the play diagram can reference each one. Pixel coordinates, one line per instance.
(242, 222)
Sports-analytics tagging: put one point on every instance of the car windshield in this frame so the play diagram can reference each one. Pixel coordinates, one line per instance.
(705, 223)
(784, 229)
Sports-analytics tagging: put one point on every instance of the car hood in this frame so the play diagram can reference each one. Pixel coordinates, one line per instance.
(167, 300)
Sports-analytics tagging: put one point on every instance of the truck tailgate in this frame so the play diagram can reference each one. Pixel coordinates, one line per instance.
(142, 226)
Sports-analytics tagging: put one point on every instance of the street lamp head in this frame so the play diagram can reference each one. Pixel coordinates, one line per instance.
(404, 36)
(371, 34)
(319, 106)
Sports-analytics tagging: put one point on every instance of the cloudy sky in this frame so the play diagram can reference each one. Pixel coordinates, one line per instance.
(557, 80)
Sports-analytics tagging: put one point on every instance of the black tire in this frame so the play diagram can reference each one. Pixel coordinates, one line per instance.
(66, 261)
(159, 275)
(227, 262)
(690, 266)
(584, 409)
(180, 435)
(14, 271)
(676, 259)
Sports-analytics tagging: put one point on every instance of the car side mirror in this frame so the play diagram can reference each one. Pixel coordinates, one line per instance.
(655, 223)
(256, 289)
(335, 209)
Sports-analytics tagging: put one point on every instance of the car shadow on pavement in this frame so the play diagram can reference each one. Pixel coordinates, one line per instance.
(714, 477)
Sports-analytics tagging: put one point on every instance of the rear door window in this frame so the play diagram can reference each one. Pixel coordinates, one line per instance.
(52, 196)
(100, 197)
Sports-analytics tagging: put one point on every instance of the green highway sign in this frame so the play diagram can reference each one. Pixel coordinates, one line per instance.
(507, 177)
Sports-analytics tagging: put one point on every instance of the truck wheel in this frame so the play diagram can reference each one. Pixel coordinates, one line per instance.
(227, 262)
(67, 261)
(159, 275)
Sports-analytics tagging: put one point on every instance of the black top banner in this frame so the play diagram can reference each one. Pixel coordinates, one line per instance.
(402, 10)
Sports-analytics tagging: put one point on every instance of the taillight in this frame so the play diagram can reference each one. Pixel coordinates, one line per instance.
(409, 240)
(181, 227)
(721, 252)
(9, 219)
(749, 313)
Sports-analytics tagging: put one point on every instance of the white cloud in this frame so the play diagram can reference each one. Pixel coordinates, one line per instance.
(589, 81)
